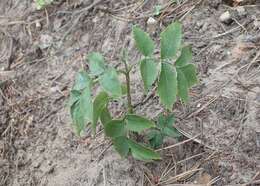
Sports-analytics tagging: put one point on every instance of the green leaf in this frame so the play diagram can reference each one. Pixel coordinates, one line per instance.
(99, 104)
(82, 81)
(105, 116)
(171, 40)
(148, 72)
(171, 132)
(183, 87)
(74, 97)
(110, 82)
(143, 41)
(155, 138)
(41, 3)
(190, 74)
(166, 125)
(137, 123)
(115, 128)
(185, 57)
(163, 121)
(169, 120)
(77, 118)
(96, 63)
(141, 152)
(167, 85)
(86, 105)
(121, 145)
(80, 101)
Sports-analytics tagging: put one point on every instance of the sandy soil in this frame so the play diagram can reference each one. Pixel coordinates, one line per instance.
(42, 50)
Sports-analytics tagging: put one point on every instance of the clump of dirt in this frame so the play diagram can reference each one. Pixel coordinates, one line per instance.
(42, 50)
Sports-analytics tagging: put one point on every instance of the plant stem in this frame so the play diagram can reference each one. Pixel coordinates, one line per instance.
(129, 100)
(127, 77)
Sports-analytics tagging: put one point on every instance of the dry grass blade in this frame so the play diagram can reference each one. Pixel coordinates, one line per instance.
(202, 108)
(165, 174)
(187, 174)
(165, 170)
(103, 151)
(181, 143)
(253, 180)
(187, 135)
(254, 60)
(182, 176)
(150, 182)
(227, 32)
(214, 180)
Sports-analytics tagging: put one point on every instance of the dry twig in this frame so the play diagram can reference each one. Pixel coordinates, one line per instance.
(180, 143)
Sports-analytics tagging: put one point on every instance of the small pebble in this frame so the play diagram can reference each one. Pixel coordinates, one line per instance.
(46, 41)
(38, 25)
(199, 24)
(36, 163)
(151, 25)
(226, 17)
(204, 27)
(40, 149)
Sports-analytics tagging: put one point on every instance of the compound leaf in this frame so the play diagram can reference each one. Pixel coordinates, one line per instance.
(189, 72)
(96, 63)
(99, 104)
(137, 123)
(115, 128)
(171, 40)
(121, 145)
(105, 116)
(185, 57)
(148, 72)
(141, 152)
(167, 85)
(183, 86)
(143, 41)
(82, 81)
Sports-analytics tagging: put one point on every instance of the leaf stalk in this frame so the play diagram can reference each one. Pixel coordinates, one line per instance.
(128, 80)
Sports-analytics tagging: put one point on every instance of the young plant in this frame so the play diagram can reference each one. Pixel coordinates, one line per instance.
(172, 75)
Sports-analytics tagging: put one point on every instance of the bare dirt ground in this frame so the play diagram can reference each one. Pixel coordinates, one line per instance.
(40, 52)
